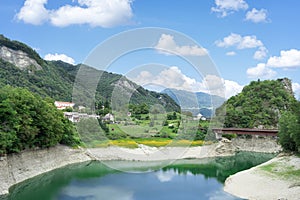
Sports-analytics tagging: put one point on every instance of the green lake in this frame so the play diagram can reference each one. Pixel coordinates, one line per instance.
(183, 179)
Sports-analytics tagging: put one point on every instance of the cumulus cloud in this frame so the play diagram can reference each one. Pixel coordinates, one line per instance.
(225, 7)
(98, 191)
(165, 176)
(216, 85)
(296, 89)
(61, 57)
(173, 77)
(261, 53)
(231, 53)
(261, 71)
(289, 58)
(103, 13)
(232, 88)
(167, 45)
(33, 12)
(246, 42)
(257, 16)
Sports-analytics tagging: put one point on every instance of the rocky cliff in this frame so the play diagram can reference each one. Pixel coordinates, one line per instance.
(19, 167)
(18, 58)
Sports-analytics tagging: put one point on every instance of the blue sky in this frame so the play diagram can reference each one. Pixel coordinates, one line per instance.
(246, 40)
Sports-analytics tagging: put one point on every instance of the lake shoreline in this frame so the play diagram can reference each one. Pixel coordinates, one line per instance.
(17, 168)
(270, 180)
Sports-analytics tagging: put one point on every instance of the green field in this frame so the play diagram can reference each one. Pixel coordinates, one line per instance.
(152, 130)
(152, 142)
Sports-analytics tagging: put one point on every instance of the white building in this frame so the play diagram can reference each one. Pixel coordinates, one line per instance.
(63, 105)
(109, 117)
(76, 117)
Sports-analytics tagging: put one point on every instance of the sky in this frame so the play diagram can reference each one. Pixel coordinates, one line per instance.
(214, 46)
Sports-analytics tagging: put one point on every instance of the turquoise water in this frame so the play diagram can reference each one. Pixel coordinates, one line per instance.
(183, 179)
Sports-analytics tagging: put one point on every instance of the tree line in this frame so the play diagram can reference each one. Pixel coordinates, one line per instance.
(289, 129)
(29, 121)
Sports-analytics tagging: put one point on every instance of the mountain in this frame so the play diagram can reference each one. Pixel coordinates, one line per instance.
(259, 105)
(21, 66)
(198, 102)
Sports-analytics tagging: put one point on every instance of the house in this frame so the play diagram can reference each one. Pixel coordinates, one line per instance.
(109, 117)
(76, 117)
(73, 117)
(63, 105)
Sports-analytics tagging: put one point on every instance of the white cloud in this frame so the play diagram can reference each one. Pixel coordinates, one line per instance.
(167, 45)
(231, 53)
(249, 42)
(173, 77)
(257, 16)
(231, 40)
(261, 53)
(296, 90)
(246, 42)
(289, 58)
(98, 191)
(103, 13)
(243, 42)
(33, 12)
(232, 88)
(216, 85)
(165, 176)
(261, 71)
(61, 57)
(225, 7)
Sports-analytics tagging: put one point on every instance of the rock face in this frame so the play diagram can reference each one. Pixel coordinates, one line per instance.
(287, 84)
(263, 145)
(19, 59)
(19, 167)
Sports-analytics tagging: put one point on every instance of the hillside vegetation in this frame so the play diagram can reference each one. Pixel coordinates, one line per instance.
(28, 121)
(259, 105)
(289, 129)
(56, 79)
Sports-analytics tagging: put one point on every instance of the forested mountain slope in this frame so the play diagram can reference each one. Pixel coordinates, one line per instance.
(259, 105)
(21, 66)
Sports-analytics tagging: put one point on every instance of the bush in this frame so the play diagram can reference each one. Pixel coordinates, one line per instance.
(28, 121)
(229, 136)
(289, 132)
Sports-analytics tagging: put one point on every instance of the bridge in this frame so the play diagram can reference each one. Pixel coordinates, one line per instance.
(244, 131)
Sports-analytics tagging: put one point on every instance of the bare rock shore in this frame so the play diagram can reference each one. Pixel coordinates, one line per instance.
(19, 167)
(276, 179)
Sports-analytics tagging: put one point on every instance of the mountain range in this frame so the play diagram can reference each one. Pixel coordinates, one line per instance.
(195, 102)
(21, 66)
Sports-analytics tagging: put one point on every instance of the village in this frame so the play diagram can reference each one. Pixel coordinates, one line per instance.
(75, 117)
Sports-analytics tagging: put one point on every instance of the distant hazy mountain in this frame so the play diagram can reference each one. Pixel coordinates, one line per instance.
(21, 66)
(198, 102)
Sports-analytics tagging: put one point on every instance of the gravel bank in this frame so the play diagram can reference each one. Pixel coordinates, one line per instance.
(19, 167)
(275, 179)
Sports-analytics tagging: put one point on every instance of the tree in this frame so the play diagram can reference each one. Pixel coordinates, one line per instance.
(260, 104)
(28, 121)
(289, 132)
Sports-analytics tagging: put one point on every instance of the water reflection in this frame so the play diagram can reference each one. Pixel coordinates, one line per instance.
(184, 179)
